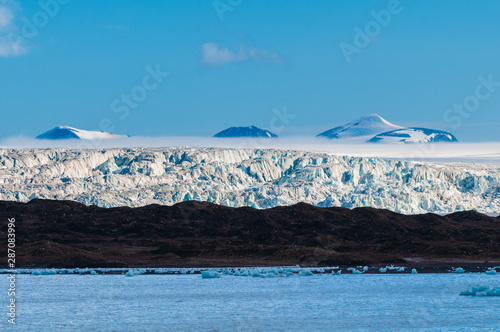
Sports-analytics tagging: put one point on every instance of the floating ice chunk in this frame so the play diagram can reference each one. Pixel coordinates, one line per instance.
(35, 273)
(336, 273)
(306, 273)
(210, 274)
(413, 271)
(93, 272)
(365, 268)
(478, 290)
(382, 270)
(354, 271)
(459, 270)
(47, 272)
(129, 273)
(491, 272)
(401, 269)
(243, 273)
(228, 271)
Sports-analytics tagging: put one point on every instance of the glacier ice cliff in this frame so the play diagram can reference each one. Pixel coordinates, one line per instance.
(244, 177)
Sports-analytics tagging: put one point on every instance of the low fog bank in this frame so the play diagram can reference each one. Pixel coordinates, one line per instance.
(488, 152)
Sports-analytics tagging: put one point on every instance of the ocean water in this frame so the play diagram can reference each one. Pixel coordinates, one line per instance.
(402, 302)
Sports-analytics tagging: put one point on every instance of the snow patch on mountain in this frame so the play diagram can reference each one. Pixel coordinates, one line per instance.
(369, 125)
(244, 177)
(65, 132)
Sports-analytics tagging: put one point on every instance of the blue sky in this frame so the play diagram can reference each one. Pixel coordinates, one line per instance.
(233, 62)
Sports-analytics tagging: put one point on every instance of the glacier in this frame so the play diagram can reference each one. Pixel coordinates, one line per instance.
(259, 178)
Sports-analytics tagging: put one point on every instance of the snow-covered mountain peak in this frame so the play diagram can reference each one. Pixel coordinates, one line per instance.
(369, 125)
(414, 135)
(66, 132)
(251, 131)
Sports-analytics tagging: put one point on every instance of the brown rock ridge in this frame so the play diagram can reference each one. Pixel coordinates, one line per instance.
(69, 234)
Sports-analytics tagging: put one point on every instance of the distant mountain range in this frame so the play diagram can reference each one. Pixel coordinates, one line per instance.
(251, 131)
(370, 128)
(65, 132)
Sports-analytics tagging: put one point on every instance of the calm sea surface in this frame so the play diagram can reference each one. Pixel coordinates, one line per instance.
(294, 303)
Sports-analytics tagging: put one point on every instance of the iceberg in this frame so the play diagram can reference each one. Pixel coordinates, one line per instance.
(306, 273)
(491, 272)
(355, 271)
(478, 290)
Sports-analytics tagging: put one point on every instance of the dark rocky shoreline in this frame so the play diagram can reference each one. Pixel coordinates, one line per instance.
(65, 234)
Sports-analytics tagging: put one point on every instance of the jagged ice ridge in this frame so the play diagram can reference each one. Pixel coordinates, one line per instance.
(244, 177)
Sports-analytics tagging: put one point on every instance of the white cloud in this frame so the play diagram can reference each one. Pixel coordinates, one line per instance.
(9, 48)
(6, 17)
(214, 55)
(10, 45)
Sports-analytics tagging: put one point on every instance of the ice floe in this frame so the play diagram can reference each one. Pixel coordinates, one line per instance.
(478, 290)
